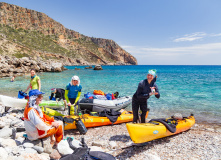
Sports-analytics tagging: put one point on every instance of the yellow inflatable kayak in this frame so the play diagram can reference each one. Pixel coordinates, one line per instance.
(89, 120)
(51, 112)
(94, 121)
(145, 132)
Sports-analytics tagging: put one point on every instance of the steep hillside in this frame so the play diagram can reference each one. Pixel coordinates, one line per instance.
(25, 32)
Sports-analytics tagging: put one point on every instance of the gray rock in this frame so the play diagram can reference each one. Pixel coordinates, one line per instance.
(30, 150)
(24, 59)
(128, 144)
(20, 135)
(28, 145)
(11, 70)
(15, 123)
(46, 142)
(10, 117)
(38, 149)
(57, 67)
(99, 143)
(151, 156)
(113, 144)
(45, 156)
(210, 129)
(33, 62)
(16, 151)
(2, 124)
(98, 67)
(47, 68)
(76, 143)
(5, 132)
(4, 153)
(18, 142)
(55, 154)
(8, 143)
(63, 148)
(2, 109)
(95, 148)
(8, 149)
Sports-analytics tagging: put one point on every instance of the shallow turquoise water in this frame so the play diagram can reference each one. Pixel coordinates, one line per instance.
(184, 89)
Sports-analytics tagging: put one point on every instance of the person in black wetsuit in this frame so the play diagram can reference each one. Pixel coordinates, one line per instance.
(59, 93)
(145, 89)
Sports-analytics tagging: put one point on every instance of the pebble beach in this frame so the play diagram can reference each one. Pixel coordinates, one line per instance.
(202, 141)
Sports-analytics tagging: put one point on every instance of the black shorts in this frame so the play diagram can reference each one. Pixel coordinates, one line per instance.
(72, 100)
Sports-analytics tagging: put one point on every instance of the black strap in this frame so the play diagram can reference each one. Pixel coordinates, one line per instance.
(42, 143)
(170, 126)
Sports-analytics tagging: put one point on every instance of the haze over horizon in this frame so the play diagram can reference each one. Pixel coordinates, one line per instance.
(155, 32)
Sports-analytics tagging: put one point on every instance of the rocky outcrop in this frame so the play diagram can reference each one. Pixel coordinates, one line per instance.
(98, 67)
(19, 66)
(66, 46)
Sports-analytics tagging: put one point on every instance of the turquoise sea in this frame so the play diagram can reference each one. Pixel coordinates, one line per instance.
(183, 89)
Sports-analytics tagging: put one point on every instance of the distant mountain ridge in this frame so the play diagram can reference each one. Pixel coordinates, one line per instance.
(25, 32)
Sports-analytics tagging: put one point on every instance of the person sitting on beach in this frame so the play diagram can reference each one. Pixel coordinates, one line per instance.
(35, 82)
(59, 93)
(145, 89)
(37, 124)
(13, 79)
(73, 93)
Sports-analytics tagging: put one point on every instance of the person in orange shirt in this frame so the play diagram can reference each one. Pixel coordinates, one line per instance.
(37, 124)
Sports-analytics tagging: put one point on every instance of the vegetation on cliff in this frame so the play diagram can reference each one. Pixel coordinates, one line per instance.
(25, 32)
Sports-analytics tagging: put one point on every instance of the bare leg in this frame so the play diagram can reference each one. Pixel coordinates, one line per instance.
(52, 140)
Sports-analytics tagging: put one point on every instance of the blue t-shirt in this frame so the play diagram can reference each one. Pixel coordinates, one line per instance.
(73, 90)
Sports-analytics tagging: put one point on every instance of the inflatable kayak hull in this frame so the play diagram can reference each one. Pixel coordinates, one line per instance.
(13, 102)
(145, 132)
(98, 105)
(94, 121)
(90, 121)
(52, 104)
(51, 112)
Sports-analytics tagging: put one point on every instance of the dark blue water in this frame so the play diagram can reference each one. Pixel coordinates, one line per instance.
(183, 89)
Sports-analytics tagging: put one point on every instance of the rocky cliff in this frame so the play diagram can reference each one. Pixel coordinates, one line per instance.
(25, 33)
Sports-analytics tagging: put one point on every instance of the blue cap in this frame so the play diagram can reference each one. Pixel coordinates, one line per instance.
(35, 92)
(152, 72)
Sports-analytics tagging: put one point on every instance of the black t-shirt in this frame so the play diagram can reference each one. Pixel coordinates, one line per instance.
(59, 94)
(143, 90)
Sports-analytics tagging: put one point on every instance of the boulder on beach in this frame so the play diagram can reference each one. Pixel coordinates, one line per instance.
(98, 67)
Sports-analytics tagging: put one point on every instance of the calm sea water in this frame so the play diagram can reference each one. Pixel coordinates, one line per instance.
(183, 89)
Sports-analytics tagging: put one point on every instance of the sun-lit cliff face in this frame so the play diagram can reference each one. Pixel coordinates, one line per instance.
(25, 32)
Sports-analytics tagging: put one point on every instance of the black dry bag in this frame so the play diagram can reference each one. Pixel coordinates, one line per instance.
(80, 126)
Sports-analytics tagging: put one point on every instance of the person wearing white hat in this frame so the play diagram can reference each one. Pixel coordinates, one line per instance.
(73, 93)
(145, 89)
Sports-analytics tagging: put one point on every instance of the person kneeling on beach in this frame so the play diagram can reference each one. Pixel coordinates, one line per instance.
(37, 124)
(73, 93)
(59, 93)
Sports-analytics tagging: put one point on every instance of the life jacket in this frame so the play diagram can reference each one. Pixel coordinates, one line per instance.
(98, 92)
(32, 131)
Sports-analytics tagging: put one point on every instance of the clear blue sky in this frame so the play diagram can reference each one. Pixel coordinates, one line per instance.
(158, 32)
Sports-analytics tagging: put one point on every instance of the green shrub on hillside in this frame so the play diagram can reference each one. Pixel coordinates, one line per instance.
(33, 40)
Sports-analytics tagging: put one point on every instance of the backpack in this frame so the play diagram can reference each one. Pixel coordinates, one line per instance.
(84, 153)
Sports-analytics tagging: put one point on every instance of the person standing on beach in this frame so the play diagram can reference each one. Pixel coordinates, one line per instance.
(35, 82)
(145, 89)
(73, 93)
